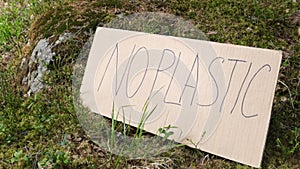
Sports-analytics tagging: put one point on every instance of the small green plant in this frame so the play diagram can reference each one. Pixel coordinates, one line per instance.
(145, 116)
(134, 142)
(57, 159)
(293, 144)
(20, 158)
(165, 133)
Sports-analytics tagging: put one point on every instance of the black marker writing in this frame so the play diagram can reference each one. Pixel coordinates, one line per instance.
(243, 101)
(230, 80)
(144, 75)
(237, 98)
(159, 69)
(215, 82)
(168, 102)
(196, 63)
(169, 61)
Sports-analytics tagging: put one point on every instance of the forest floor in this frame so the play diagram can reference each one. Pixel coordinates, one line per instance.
(42, 130)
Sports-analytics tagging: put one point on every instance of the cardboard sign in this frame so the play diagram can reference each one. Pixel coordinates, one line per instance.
(218, 96)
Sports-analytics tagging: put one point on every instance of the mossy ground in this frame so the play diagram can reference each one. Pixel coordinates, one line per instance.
(42, 130)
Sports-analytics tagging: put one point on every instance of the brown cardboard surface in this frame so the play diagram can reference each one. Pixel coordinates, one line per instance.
(219, 96)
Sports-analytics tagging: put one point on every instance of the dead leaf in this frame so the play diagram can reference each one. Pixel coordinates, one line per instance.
(212, 33)
(296, 18)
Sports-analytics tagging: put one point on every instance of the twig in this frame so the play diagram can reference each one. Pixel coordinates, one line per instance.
(204, 159)
(292, 101)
